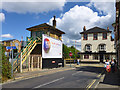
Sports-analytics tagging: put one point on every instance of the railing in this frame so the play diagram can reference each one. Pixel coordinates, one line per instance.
(25, 52)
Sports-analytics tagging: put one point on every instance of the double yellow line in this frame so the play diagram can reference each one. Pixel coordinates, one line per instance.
(90, 85)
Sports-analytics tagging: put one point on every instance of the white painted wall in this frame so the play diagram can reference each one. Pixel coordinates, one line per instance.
(95, 43)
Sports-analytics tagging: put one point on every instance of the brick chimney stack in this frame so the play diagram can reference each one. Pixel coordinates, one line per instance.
(108, 28)
(84, 28)
(54, 22)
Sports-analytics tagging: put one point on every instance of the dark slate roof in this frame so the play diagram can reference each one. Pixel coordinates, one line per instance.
(96, 30)
(43, 27)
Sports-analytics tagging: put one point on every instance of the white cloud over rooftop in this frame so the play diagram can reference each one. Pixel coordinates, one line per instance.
(73, 21)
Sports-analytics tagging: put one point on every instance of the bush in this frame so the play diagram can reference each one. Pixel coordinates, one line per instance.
(6, 65)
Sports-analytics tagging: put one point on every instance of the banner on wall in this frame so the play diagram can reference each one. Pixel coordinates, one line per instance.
(51, 48)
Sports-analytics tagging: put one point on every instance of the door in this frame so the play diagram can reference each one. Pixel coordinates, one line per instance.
(101, 57)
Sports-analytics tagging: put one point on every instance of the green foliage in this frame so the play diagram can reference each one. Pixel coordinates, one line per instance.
(4, 65)
(74, 51)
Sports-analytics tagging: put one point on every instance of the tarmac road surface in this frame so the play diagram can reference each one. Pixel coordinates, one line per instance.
(82, 77)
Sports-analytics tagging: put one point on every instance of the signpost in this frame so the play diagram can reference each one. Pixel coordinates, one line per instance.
(11, 47)
(70, 54)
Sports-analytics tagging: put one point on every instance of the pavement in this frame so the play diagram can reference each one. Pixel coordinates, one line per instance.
(110, 80)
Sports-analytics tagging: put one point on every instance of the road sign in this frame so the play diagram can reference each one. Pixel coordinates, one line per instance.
(11, 47)
(70, 53)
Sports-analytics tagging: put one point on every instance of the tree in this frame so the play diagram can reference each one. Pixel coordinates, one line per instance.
(74, 51)
(5, 65)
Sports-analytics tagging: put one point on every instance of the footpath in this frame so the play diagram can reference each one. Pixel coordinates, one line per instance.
(110, 81)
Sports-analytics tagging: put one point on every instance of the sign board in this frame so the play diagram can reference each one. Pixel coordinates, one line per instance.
(11, 47)
(53, 61)
(51, 47)
(70, 53)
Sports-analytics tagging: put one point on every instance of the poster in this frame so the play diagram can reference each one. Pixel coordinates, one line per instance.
(51, 47)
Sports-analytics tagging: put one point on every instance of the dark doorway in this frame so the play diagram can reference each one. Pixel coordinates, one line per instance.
(101, 57)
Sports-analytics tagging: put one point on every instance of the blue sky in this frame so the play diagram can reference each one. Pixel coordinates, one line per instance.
(70, 16)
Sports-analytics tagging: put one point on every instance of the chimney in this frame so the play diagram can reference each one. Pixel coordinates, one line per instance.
(84, 28)
(54, 22)
(108, 28)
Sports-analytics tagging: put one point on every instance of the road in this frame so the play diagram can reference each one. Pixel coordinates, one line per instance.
(82, 77)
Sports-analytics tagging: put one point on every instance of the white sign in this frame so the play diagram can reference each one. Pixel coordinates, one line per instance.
(51, 48)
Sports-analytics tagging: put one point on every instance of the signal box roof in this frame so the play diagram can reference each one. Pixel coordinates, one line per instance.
(44, 26)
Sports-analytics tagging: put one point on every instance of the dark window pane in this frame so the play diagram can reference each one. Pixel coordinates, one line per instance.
(85, 36)
(86, 56)
(95, 36)
(104, 35)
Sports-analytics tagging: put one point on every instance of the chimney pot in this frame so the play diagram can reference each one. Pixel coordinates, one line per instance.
(107, 28)
(54, 22)
(84, 28)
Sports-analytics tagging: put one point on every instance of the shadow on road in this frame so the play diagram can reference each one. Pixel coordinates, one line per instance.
(90, 69)
(110, 78)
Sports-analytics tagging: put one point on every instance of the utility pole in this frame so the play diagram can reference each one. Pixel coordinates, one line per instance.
(12, 63)
(75, 48)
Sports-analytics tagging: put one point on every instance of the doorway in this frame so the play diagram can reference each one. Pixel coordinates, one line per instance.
(101, 57)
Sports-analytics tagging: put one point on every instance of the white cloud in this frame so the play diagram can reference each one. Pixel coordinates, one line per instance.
(6, 36)
(2, 17)
(73, 21)
(36, 6)
(104, 6)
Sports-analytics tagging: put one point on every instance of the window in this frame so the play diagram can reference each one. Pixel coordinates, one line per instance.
(88, 47)
(86, 56)
(95, 36)
(85, 37)
(104, 35)
(102, 47)
(34, 34)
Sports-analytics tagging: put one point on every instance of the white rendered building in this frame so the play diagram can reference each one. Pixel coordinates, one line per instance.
(97, 44)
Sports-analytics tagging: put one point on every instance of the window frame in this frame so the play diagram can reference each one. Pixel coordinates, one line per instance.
(88, 47)
(103, 36)
(86, 56)
(94, 37)
(84, 36)
(102, 48)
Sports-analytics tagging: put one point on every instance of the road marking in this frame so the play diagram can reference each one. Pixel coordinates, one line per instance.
(90, 85)
(99, 75)
(77, 72)
(49, 82)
